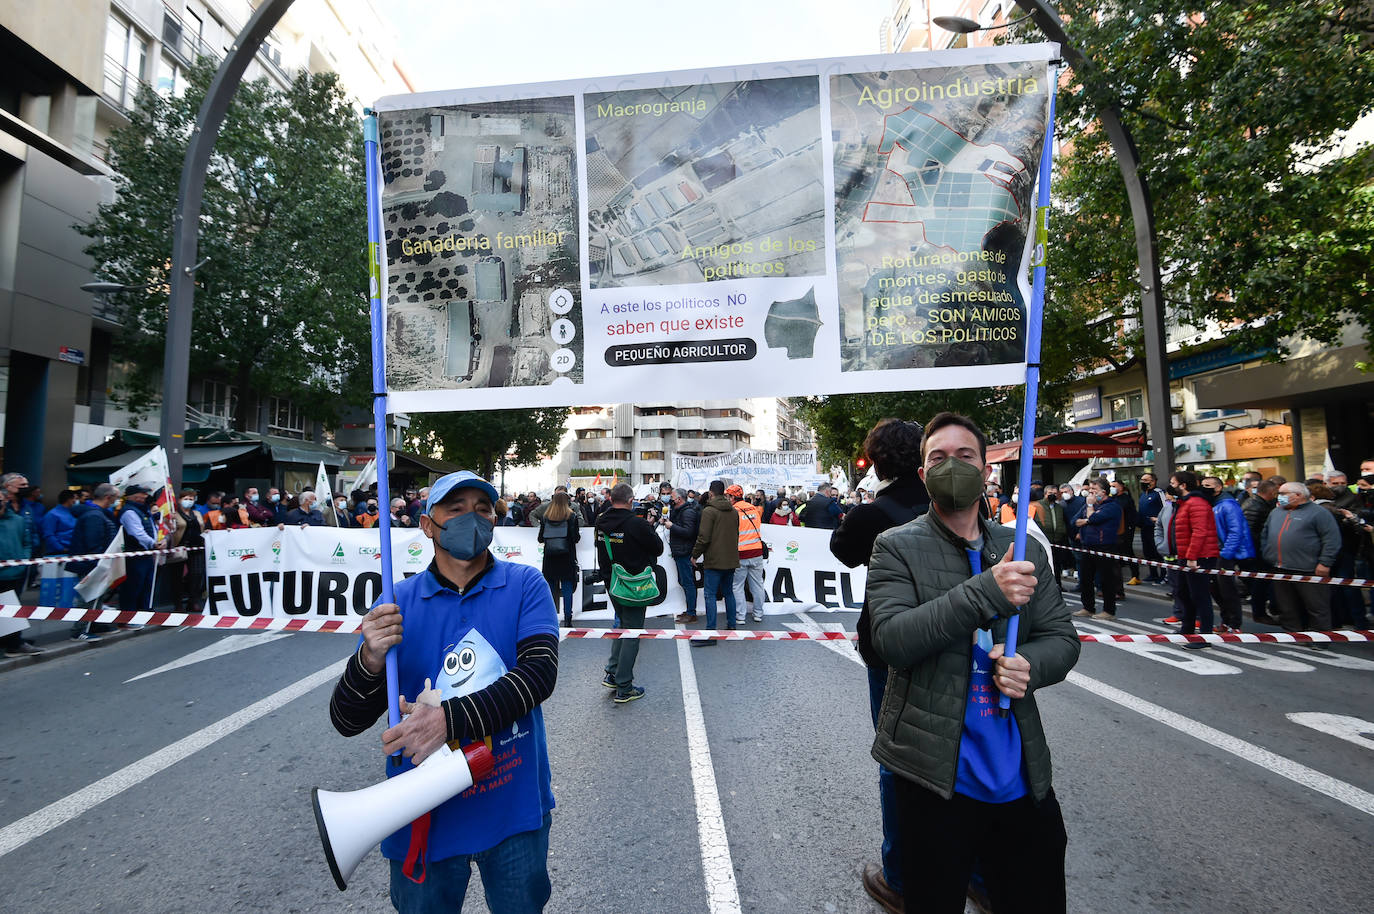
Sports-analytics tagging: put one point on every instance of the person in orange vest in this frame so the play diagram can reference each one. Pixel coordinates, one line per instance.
(751, 557)
(368, 517)
(1007, 513)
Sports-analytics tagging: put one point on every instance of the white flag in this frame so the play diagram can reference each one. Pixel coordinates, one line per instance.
(367, 477)
(107, 574)
(151, 472)
(326, 497)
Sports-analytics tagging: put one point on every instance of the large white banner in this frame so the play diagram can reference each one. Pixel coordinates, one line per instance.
(752, 469)
(318, 572)
(810, 227)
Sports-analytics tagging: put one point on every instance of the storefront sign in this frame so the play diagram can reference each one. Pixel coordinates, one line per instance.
(1087, 404)
(1270, 441)
(1201, 448)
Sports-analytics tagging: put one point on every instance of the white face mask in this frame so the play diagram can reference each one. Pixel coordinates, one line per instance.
(188, 503)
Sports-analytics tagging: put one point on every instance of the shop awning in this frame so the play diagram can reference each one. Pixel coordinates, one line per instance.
(197, 462)
(1066, 446)
(418, 464)
(1322, 378)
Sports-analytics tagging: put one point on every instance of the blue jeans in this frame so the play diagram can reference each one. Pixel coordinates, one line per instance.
(714, 582)
(569, 587)
(887, 801)
(515, 878)
(686, 576)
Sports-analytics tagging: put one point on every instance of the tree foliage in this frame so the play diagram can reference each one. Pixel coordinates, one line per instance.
(842, 421)
(483, 440)
(1265, 220)
(281, 305)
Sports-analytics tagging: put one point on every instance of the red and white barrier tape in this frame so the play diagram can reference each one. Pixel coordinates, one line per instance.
(351, 624)
(1261, 575)
(62, 559)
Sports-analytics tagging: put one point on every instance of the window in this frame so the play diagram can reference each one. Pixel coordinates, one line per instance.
(586, 411)
(584, 433)
(655, 411)
(284, 418)
(652, 477)
(218, 399)
(691, 412)
(650, 455)
(1128, 406)
(170, 82)
(126, 57)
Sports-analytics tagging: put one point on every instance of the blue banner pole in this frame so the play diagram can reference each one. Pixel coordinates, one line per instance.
(372, 161)
(1033, 322)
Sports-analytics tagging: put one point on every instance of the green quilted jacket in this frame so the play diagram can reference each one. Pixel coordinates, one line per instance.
(925, 606)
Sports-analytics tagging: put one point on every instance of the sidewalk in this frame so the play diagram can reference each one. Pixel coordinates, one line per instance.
(54, 637)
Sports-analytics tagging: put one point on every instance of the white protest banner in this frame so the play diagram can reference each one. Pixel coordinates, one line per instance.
(752, 469)
(320, 572)
(810, 227)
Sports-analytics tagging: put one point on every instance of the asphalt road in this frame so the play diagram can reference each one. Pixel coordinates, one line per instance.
(1185, 784)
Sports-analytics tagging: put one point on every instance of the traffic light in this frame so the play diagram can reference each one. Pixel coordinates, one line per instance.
(862, 465)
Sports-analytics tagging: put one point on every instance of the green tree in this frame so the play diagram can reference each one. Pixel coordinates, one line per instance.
(1265, 220)
(842, 421)
(281, 304)
(484, 440)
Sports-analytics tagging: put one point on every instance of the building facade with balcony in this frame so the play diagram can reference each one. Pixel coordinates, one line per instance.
(636, 443)
(71, 74)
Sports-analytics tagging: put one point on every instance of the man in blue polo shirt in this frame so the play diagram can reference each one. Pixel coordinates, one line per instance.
(480, 653)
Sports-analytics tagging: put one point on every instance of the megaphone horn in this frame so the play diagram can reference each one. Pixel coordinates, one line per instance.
(351, 823)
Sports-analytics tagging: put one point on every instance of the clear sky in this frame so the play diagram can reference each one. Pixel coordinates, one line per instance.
(502, 42)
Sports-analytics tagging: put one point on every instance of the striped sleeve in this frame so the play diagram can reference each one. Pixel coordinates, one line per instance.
(359, 697)
(520, 691)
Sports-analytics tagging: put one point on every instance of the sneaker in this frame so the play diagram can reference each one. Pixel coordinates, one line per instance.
(758, 617)
(633, 694)
(1196, 645)
(86, 638)
(608, 681)
(1134, 582)
(1173, 620)
(1105, 616)
(685, 618)
(24, 649)
(1222, 628)
(1084, 614)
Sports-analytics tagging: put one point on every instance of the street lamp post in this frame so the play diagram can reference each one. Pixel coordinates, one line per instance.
(186, 227)
(1152, 318)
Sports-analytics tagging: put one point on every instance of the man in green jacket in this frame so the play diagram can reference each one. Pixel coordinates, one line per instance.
(970, 784)
(717, 546)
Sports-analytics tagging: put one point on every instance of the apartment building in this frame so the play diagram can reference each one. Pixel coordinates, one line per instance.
(72, 72)
(636, 443)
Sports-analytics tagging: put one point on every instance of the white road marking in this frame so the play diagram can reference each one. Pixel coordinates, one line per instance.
(38, 823)
(1162, 653)
(1349, 794)
(1330, 658)
(1350, 729)
(226, 645)
(844, 648)
(1265, 661)
(722, 894)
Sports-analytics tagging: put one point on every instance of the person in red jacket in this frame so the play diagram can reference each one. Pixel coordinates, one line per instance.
(1197, 546)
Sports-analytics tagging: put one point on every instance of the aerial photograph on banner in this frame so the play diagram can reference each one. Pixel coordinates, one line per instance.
(480, 214)
(708, 182)
(934, 177)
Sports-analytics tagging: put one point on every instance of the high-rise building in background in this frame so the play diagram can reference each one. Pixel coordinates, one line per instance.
(911, 26)
(71, 73)
(635, 443)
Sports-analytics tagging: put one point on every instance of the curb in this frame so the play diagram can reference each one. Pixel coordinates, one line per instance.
(66, 647)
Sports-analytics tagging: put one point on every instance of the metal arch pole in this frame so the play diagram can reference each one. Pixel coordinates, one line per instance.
(1152, 317)
(176, 358)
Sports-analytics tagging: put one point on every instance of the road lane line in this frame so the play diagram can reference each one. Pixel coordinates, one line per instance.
(1350, 729)
(1161, 653)
(226, 645)
(1330, 658)
(722, 893)
(844, 648)
(38, 823)
(1348, 794)
(1265, 661)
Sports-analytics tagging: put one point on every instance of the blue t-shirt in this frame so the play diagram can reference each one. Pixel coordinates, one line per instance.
(462, 644)
(990, 752)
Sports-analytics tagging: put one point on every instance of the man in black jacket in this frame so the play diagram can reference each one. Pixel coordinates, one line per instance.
(633, 545)
(95, 530)
(894, 447)
(683, 522)
(822, 511)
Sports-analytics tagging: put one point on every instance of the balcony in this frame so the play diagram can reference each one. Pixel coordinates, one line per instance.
(597, 421)
(713, 445)
(730, 424)
(651, 466)
(656, 422)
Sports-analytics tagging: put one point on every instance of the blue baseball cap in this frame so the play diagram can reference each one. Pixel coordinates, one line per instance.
(463, 479)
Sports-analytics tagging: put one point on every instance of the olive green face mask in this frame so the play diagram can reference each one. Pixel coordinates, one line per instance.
(954, 484)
